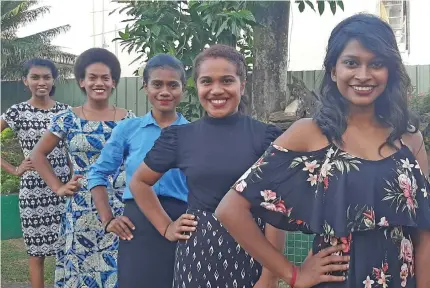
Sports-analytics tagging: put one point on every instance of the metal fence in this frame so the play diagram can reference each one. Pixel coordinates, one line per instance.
(129, 95)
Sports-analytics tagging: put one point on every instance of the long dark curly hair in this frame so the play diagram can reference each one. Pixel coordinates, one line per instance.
(391, 107)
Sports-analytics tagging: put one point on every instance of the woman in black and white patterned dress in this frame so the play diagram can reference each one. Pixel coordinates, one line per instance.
(40, 208)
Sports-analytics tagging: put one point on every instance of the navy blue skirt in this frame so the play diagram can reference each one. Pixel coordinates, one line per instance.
(147, 261)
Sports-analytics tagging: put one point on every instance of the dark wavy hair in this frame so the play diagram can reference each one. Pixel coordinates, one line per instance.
(97, 55)
(391, 106)
(230, 54)
(41, 63)
(164, 61)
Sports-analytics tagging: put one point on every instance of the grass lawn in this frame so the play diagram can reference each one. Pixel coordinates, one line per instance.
(14, 263)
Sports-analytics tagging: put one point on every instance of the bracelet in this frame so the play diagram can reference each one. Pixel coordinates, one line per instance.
(294, 277)
(165, 231)
(107, 224)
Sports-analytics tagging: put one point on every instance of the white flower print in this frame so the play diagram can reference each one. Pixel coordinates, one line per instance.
(407, 164)
(268, 195)
(424, 190)
(313, 179)
(383, 222)
(383, 280)
(240, 186)
(277, 147)
(368, 282)
(325, 168)
(311, 166)
(406, 250)
(404, 272)
(417, 166)
(330, 152)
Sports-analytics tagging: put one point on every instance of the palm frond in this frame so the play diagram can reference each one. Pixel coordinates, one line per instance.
(12, 21)
(16, 50)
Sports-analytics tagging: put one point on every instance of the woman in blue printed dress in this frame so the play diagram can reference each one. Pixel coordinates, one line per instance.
(355, 174)
(89, 255)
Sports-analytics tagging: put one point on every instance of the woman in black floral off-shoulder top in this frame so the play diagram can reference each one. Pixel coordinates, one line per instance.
(355, 175)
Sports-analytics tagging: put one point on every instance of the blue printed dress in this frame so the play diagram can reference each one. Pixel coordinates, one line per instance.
(88, 257)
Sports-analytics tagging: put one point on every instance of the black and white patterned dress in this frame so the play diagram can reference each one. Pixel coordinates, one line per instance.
(40, 208)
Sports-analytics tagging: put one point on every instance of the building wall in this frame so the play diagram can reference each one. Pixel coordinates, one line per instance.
(88, 28)
(309, 32)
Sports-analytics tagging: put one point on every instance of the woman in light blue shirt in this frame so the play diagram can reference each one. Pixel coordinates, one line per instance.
(145, 257)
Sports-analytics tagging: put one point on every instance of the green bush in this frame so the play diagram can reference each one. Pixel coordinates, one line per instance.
(419, 103)
(12, 153)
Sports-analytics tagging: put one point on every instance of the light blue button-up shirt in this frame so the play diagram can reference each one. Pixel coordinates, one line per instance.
(131, 139)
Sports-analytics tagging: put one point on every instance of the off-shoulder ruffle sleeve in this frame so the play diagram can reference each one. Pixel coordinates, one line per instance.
(334, 193)
(272, 133)
(163, 155)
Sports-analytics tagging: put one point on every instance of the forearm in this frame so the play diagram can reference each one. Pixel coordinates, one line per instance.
(422, 259)
(9, 168)
(44, 168)
(101, 201)
(241, 225)
(149, 204)
(276, 237)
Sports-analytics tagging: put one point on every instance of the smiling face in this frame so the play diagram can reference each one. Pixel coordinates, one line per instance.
(359, 75)
(164, 89)
(98, 82)
(39, 80)
(219, 87)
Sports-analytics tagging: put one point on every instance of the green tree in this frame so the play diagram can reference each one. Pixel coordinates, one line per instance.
(184, 28)
(16, 50)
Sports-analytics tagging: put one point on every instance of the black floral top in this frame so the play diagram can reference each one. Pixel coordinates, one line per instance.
(372, 206)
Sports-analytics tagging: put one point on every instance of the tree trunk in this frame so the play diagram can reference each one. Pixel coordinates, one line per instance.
(269, 77)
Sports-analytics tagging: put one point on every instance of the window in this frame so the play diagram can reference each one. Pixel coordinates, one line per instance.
(396, 13)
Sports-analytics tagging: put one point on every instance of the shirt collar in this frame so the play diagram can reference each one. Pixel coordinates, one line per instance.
(148, 119)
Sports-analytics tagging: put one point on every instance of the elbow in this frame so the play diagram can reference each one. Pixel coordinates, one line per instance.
(35, 156)
(222, 212)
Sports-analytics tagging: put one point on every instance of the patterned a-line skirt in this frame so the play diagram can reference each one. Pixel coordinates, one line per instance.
(212, 258)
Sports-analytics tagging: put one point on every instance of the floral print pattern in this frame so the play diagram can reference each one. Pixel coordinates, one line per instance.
(373, 206)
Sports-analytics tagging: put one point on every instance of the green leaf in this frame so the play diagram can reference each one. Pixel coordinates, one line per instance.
(222, 27)
(310, 4)
(301, 6)
(190, 82)
(340, 4)
(156, 30)
(246, 14)
(332, 6)
(321, 6)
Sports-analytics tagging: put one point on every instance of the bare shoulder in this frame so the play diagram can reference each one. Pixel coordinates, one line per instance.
(304, 136)
(415, 142)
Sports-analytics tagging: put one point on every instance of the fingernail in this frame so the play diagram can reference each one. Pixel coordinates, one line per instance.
(195, 222)
(194, 228)
(133, 228)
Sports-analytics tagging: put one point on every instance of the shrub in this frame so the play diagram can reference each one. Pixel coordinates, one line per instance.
(12, 153)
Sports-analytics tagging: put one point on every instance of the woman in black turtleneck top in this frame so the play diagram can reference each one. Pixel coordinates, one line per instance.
(213, 153)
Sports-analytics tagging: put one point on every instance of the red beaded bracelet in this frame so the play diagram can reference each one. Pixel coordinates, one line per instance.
(294, 277)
